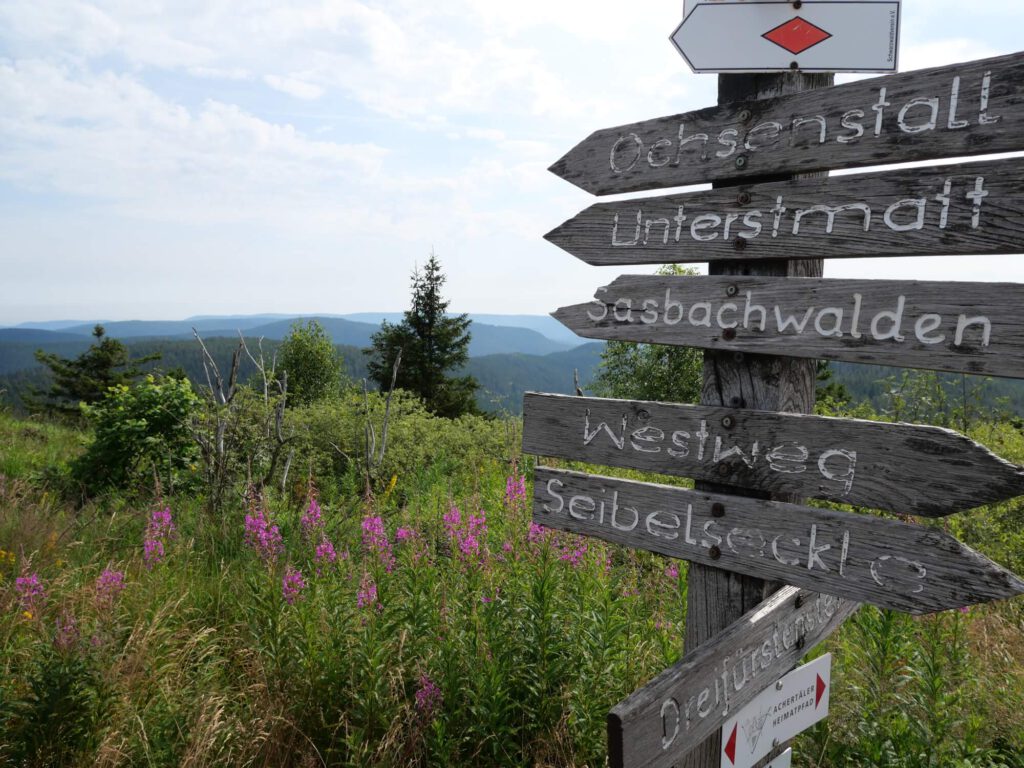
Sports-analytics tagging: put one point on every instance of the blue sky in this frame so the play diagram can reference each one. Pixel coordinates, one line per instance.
(160, 159)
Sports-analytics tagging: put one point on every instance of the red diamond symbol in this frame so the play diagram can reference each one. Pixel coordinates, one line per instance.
(796, 35)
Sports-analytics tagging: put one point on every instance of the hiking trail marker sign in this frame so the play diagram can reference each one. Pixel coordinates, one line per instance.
(777, 714)
(774, 36)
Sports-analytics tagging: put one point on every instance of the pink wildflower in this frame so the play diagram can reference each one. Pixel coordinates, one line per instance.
(468, 535)
(672, 571)
(312, 522)
(264, 537)
(366, 596)
(325, 555)
(428, 697)
(375, 539)
(538, 534)
(159, 530)
(31, 593)
(67, 635)
(109, 586)
(292, 585)
(515, 490)
(405, 534)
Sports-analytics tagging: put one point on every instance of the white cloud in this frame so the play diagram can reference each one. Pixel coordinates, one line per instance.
(294, 87)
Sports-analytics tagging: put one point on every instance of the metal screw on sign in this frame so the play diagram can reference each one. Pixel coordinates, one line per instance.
(745, 115)
(797, 4)
(739, 244)
(743, 198)
(794, 65)
(718, 509)
(778, 686)
(741, 161)
(731, 290)
(643, 414)
(723, 470)
(728, 422)
(715, 553)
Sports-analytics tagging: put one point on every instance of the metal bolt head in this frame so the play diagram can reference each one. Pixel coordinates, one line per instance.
(741, 161)
(739, 243)
(797, 4)
(794, 65)
(744, 115)
(732, 290)
(800, 642)
(728, 422)
(778, 686)
(724, 470)
(743, 198)
(718, 509)
(714, 553)
(729, 334)
(643, 414)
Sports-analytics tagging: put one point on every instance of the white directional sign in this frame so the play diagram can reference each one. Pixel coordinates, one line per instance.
(777, 714)
(772, 36)
(785, 760)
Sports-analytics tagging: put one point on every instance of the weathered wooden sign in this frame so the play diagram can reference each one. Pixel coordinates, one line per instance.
(973, 208)
(658, 724)
(960, 110)
(960, 327)
(777, 714)
(773, 36)
(908, 468)
(884, 562)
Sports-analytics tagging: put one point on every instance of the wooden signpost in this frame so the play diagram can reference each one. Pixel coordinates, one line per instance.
(961, 110)
(763, 315)
(959, 327)
(973, 208)
(908, 468)
(887, 563)
(661, 722)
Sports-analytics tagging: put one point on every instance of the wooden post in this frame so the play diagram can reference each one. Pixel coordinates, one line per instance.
(716, 598)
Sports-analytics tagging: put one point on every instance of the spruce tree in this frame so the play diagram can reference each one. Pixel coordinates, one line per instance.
(87, 378)
(432, 345)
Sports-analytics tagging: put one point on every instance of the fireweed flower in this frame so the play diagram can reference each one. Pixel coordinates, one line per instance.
(325, 555)
(428, 697)
(263, 537)
(672, 571)
(312, 522)
(468, 535)
(405, 534)
(159, 530)
(515, 490)
(109, 585)
(375, 539)
(67, 636)
(573, 550)
(292, 585)
(366, 596)
(31, 593)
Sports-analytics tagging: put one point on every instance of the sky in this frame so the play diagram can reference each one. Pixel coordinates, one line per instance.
(164, 159)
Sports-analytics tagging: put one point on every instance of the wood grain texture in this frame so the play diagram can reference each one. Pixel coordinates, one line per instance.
(943, 326)
(969, 208)
(803, 132)
(700, 691)
(888, 563)
(906, 468)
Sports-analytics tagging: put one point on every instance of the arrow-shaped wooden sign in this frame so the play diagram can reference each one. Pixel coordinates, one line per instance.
(953, 111)
(884, 562)
(959, 327)
(658, 724)
(974, 208)
(908, 468)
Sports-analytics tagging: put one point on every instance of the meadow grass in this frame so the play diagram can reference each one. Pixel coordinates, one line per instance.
(430, 625)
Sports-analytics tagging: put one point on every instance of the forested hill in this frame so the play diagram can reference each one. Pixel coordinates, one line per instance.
(503, 377)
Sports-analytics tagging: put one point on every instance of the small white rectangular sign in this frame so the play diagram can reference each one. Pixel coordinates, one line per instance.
(773, 36)
(777, 714)
(785, 760)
